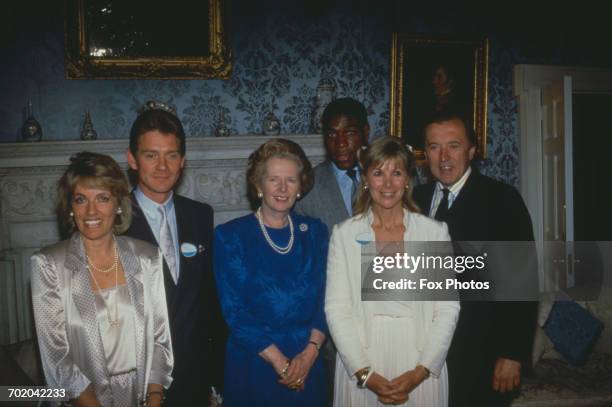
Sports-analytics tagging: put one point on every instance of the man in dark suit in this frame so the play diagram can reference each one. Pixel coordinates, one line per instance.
(183, 229)
(345, 131)
(492, 341)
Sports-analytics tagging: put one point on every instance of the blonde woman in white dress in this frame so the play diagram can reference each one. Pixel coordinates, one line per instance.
(389, 352)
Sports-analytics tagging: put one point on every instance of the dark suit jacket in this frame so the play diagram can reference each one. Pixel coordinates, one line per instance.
(485, 210)
(324, 200)
(198, 330)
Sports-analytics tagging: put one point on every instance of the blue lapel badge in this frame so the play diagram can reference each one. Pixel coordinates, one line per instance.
(189, 250)
(364, 238)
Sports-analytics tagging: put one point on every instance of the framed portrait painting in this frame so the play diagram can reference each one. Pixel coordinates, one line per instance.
(113, 39)
(433, 74)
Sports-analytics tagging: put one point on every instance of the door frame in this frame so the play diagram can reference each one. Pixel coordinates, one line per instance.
(528, 82)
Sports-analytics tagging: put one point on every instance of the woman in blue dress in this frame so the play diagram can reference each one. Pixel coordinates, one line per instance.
(270, 271)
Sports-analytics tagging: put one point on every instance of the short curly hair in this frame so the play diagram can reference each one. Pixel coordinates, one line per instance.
(345, 107)
(276, 148)
(93, 170)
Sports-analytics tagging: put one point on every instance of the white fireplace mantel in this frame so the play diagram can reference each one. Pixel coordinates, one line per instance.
(214, 173)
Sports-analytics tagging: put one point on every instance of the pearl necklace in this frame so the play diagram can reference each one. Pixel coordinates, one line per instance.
(111, 321)
(278, 249)
(107, 270)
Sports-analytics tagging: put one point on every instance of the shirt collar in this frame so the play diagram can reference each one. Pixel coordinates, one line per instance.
(339, 171)
(150, 206)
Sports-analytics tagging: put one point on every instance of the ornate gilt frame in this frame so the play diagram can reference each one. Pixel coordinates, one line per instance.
(399, 57)
(80, 65)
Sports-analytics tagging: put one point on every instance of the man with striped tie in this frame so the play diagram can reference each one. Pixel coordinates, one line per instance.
(183, 229)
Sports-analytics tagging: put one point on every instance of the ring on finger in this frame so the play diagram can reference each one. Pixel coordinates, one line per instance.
(284, 371)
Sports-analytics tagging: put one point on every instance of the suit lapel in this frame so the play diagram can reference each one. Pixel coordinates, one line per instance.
(330, 184)
(140, 227)
(181, 233)
(84, 300)
(134, 274)
(427, 197)
(463, 198)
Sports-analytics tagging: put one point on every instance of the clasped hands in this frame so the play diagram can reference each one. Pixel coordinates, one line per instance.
(396, 391)
(294, 372)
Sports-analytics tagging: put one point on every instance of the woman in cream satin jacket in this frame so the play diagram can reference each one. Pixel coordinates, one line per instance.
(65, 310)
(103, 331)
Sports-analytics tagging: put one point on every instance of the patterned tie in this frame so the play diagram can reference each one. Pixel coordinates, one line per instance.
(166, 244)
(442, 210)
(352, 173)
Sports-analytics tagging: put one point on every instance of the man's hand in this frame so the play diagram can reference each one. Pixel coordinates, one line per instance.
(507, 375)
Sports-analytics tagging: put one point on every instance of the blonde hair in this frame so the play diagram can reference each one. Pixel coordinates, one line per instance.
(93, 170)
(381, 150)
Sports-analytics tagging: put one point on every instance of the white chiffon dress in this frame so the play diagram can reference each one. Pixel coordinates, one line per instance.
(392, 352)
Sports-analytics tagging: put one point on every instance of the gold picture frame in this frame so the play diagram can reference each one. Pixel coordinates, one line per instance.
(418, 70)
(90, 27)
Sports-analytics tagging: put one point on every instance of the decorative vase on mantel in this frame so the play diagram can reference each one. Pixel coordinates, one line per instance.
(271, 126)
(326, 92)
(221, 130)
(31, 130)
(88, 132)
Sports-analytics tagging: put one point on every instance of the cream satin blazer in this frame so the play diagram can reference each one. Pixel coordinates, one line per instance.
(347, 318)
(65, 314)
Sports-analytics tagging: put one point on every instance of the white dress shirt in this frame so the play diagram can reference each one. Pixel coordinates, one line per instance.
(453, 193)
(151, 212)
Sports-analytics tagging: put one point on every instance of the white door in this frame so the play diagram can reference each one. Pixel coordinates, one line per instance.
(557, 182)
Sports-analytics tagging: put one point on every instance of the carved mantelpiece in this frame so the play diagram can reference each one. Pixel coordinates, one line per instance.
(214, 173)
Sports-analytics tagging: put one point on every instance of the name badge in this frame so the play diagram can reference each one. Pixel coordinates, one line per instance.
(189, 249)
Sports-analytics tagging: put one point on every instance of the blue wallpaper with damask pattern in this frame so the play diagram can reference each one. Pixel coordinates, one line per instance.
(280, 55)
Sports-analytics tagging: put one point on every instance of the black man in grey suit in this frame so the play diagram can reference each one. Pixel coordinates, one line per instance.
(345, 131)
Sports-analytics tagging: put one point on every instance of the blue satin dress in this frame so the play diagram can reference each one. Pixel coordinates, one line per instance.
(270, 298)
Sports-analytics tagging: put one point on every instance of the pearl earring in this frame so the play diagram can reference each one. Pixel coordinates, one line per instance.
(299, 195)
(365, 187)
(119, 211)
(260, 195)
(71, 214)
